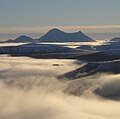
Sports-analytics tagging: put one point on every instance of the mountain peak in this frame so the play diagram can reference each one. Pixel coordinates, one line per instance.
(23, 36)
(55, 30)
(56, 35)
(23, 39)
(79, 32)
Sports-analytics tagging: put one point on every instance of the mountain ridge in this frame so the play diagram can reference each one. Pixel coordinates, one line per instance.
(54, 35)
(20, 39)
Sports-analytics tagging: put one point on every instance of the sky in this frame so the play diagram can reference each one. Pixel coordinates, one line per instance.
(41, 15)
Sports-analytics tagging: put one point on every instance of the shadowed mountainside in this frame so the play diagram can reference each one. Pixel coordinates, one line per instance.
(56, 35)
(93, 68)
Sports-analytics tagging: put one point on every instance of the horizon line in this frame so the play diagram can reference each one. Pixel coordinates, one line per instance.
(44, 29)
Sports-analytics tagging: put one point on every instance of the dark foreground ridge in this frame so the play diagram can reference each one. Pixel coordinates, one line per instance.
(93, 68)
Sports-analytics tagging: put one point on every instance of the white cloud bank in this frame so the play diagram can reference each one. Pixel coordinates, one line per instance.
(29, 90)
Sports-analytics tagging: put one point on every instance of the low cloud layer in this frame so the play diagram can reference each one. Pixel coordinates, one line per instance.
(29, 89)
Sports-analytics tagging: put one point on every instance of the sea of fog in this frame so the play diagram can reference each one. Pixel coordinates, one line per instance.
(30, 89)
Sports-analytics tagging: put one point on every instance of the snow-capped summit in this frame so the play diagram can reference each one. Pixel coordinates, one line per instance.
(56, 35)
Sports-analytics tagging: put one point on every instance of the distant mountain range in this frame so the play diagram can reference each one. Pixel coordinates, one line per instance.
(54, 35)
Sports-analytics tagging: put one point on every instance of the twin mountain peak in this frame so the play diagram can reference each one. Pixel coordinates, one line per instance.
(55, 35)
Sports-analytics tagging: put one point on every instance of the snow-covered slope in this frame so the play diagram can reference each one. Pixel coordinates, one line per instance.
(86, 47)
(106, 55)
(56, 35)
(115, 39)
(108, 46)
(92, 68)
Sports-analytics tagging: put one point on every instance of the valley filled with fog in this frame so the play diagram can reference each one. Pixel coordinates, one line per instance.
(60, 76)
(30, 88)
(59, 59)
